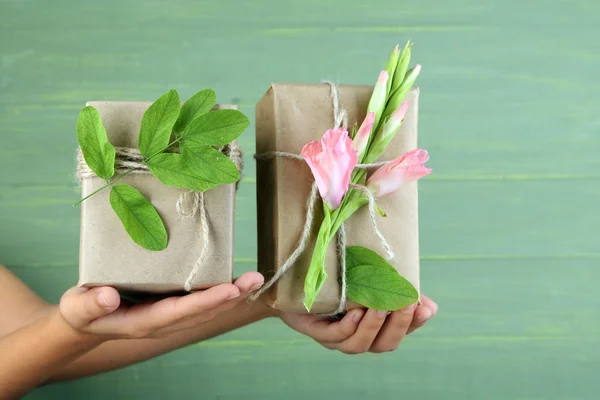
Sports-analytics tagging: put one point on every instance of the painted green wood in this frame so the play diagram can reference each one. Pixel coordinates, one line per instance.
(509, 220)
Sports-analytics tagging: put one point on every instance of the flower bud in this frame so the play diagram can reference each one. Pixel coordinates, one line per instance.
(400, 93)
(379, 96)
(409, 167)
(401, 68)
(361, 139)
(391, 68)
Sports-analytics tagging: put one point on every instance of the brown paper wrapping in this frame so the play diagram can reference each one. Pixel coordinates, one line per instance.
(108, 256)
(287, 117)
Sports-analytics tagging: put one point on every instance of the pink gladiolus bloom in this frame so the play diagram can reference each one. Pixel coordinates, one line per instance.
(361, 139)
(331, 162)
(392, 175)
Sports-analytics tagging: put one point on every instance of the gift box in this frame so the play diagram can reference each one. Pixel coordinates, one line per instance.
(287, 117)
(108, 256)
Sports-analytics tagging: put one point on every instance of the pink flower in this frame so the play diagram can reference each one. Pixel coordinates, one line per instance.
(331, 162)
(392, 175)
(361, 139)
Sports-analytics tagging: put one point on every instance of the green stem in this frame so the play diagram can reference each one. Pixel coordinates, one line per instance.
(104, 187)
(316, 275)
(126, 173)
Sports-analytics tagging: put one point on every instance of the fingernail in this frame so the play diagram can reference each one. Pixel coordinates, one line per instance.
(101, 299)
(424, 315)
(357, 316)
(256, 287)
(409, 309)
(383, 314)
(233, 296)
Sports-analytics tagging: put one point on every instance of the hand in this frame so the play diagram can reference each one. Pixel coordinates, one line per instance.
(99, 312)
(362, 331)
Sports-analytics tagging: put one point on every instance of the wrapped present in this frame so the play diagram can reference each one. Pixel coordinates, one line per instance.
(199, 253)
(287, 118)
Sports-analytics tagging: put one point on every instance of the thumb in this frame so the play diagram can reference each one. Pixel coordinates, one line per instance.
(79, 306)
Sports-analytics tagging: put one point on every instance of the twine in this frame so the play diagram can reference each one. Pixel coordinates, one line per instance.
(130, 160)
(340, 118)
(372, 214)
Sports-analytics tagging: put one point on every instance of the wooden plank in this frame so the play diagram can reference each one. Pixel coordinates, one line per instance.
(508, 221)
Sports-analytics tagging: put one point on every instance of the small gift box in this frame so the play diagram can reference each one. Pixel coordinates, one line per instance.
(288, 117)
(300, 276)
(199, 224)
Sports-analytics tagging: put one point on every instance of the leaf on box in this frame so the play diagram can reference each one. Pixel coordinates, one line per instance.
(172, 170)
(157, 124)
(197, 105)
(139, 217)
(374, 283)
(210, 165)
(98, 152)
(316, 274)
(216, 128)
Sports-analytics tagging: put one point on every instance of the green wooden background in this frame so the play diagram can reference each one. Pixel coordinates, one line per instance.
(509, 220)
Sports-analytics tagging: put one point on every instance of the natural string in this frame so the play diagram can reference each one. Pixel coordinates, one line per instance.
(373, 214)
(340, 119)
(128, 159)
(311, 204)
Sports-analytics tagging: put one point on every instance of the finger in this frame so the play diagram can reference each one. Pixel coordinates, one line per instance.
(79, 305)
(394, 330)
(249, 282)
(325, 331)
(365, 334)
(143, 319)
(421, 317)
(432, 305)
(192, 304)
(246, 283)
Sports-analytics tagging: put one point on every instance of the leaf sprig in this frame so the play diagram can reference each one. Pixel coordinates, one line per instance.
(178, 146)
(373, 282)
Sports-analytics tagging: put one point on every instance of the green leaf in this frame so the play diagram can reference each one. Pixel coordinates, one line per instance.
(139, 217)
(200, 103)
(316, 274)
(210, 165)
(172, 170)
(216, 128)
(157, 124)
(374, 283)
(355, 201)
(97, 151)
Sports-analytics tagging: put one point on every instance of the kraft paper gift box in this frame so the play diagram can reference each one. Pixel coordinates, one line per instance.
(108, 256)
(287, 117)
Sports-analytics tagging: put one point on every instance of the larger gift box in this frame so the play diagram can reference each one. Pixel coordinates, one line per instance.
(108, 256)
(287, 117)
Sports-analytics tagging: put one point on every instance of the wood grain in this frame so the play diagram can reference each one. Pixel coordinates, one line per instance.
(509, 221)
